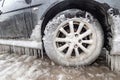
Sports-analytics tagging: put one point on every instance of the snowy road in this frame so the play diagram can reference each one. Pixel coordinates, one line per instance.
(22, 67)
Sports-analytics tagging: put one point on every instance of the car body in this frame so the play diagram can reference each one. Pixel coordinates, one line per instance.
(19, 18)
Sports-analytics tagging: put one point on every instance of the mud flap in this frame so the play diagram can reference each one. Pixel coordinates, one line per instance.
(114, 55)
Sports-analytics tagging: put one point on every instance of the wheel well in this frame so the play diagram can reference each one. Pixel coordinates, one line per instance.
(95, 8)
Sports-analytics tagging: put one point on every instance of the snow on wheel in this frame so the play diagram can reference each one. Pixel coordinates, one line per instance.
(73, 41)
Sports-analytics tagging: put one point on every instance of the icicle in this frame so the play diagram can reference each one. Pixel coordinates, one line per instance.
(38, 52)
(114, 62)
(41, 52)
(26, 51)
(10, 50)
(30, 52)
(21, 51)
(34, 52)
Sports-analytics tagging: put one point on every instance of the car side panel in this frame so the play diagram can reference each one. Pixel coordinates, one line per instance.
(19, 21)
(42, 7)
(16, 22)
(112, 3)
(13, 5)
(46, 4)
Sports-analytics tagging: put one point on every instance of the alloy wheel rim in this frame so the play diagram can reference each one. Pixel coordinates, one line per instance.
(75, 39)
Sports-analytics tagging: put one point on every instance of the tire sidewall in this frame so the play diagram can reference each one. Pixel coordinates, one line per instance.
(59, 59)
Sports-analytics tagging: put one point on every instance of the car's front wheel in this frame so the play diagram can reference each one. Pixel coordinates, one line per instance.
(73, 41)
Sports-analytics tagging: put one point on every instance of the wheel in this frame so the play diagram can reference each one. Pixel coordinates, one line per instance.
(72, 40)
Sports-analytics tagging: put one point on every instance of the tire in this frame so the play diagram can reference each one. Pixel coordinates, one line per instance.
(68, 44)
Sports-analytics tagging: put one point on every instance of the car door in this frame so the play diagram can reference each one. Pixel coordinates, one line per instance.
(16, 19)
(39, 7)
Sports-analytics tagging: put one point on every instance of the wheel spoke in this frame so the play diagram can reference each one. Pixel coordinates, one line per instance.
(85, 34)
(62, 40)
(87, 41)
(71, 26)
(63, 31)
(76, 52)
(69, 52)
(63, 47)
(80, 28)
(74, 39)
(83, 48)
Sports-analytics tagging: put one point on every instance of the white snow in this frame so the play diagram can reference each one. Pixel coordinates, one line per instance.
(114, 21)
(23, 67)
(60, 77)
(114, 56)
(20, 43)
(36, 33)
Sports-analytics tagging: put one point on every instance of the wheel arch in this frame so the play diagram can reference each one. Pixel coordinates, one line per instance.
(97, 9)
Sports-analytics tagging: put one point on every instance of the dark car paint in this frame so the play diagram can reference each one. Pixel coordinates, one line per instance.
(18, 21)
(28, 1)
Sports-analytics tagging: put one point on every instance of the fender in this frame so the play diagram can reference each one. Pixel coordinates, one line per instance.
(50, 7)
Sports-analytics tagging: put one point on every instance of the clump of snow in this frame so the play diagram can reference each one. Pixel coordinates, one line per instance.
(60, 77)
(36, 33)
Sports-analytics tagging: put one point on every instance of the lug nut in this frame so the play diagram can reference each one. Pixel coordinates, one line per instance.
(76, 35)
(75, 46)
(80, 41)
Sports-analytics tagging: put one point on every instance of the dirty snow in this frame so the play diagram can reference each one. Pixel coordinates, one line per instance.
(21, 43)
(23, 67)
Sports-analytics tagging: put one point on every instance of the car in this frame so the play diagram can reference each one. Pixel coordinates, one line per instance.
(71, 32)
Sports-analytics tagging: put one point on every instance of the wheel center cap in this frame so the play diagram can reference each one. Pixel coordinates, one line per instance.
(73, 38)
